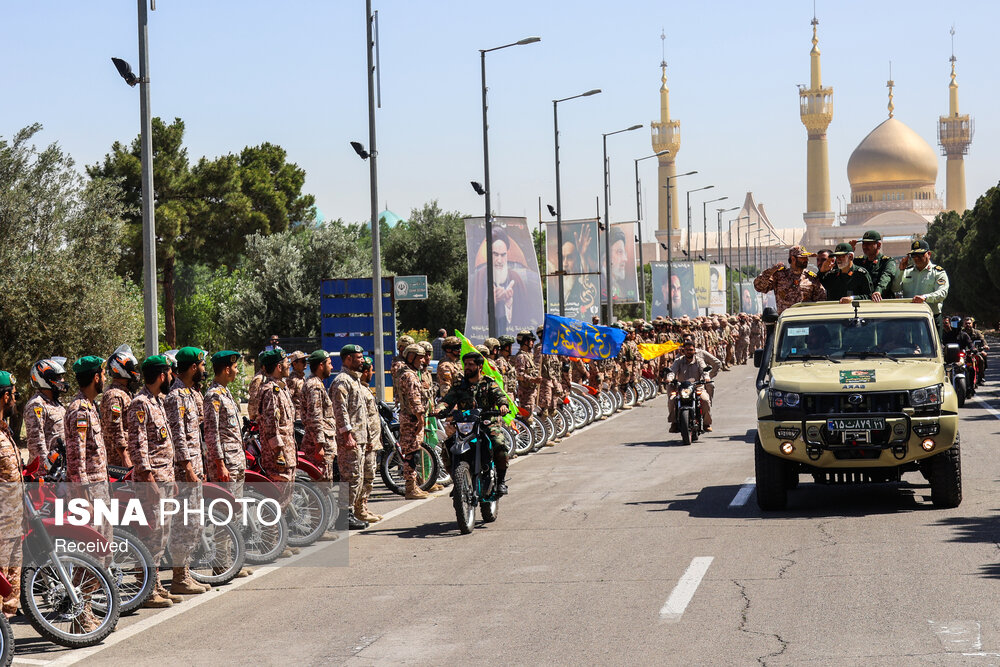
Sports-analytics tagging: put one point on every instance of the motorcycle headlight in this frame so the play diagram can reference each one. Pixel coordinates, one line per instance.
(926, 396)
(686, 392)
(465, 428)
(782, 399)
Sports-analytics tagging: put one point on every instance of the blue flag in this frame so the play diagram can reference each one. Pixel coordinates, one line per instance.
(573, 338)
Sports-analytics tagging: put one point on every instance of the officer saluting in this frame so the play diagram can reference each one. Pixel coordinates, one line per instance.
(922, 282)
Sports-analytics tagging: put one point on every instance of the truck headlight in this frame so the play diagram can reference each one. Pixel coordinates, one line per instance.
(926, 396)
(781, 399)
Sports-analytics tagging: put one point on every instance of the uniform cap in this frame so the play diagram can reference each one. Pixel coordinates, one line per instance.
(318, 355)
(88, 364)
(296, 355)
(6, 380)
(190, 355)
(228, 356)
(351, 348)
(842, 249)
(919, 247)
(871, 235)
(799, 251)
(156, 361)
(272, 356)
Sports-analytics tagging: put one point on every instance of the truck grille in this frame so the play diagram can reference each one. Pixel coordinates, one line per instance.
(826, 404)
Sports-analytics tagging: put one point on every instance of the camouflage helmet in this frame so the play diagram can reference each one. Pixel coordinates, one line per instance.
(413, 348)
(491, 343)
(427, 348)
(504, 341)
(403, 342)
(483, 350)
(524, 335)
(451, 343)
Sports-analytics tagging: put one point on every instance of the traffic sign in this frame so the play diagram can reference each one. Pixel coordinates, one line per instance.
(410, 288)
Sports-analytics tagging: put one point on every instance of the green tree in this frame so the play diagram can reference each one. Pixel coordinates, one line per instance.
(59, 292)
(278, 287)
(431, 243)
(204, 212)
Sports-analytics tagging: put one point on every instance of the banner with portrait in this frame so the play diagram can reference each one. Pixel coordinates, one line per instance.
(674, 290)
(717, 285)
(581, 265)
(625, 283)
(517, 285)
(749, 298)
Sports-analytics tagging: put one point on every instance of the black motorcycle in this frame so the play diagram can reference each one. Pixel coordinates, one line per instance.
(473, 471)
(687, 408)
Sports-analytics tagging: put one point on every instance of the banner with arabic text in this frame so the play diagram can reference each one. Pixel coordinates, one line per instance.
(573, 338)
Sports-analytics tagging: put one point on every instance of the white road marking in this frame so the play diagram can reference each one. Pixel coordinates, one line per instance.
(681, 596)
(986, 406)
(959, 636)
(743, 495)
(190, 603)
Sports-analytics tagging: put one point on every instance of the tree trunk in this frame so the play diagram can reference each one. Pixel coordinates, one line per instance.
(170, 320)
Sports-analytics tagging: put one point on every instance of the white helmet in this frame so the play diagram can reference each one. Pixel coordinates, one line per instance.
(48, 374)
(123, 364)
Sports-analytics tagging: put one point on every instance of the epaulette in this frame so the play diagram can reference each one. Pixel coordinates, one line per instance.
(782, 268)
(810, 274)
(938, 267)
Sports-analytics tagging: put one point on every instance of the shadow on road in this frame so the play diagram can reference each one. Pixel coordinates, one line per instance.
(435, 529)
(976, 529)
(808, 501)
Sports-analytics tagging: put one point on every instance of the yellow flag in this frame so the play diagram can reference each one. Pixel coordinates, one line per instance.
(654, 350)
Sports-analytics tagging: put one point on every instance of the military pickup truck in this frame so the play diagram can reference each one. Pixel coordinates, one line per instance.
(855, 393)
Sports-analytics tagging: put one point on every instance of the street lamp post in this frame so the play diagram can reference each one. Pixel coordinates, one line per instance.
(607, 225)
(719, 221)
(707, 187)
(559, 238)
(638, 217)
(488, 220)
(704, 221)
(670, 245)
(378, 351)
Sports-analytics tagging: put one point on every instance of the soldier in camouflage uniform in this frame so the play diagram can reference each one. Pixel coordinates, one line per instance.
(319, 443)
(397, 363)
(277, 423)
(152, 453)
(253, 391)
(504, 365)
(11, 488)
(184, 423)
(743, 339)
(226, 461)
(793, 283)
(123, 368)
(297, 379)
(528, 376)
(476, 390)
(351, 421)
(409, 393)
(43, 414)
(361, 510)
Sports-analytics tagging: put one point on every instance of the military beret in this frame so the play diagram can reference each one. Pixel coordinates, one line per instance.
(156, 361)
(171, 357)
(871, 235)
(318, 355)
(272, 356)
(351, 348)
(189, 355)
(919, 247)
(842, 249)
(228, 356)
(88, 364)
(6, 380)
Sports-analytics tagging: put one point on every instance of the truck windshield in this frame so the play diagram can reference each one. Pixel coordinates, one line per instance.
(868, 337)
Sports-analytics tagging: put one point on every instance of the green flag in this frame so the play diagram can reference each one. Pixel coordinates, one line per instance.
(490, 371)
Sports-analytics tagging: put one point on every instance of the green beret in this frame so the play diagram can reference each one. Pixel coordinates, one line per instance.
(190, 355)
(351, 348)
(319, 355)
(88, 364)
(225, 355)
(6, 380)
(272, 356)
(156, 361)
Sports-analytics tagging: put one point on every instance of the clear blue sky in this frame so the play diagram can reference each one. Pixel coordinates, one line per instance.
(293, 73)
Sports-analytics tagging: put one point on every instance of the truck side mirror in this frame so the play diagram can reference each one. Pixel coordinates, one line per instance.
(950, 353)
(758, 358)
(770, 315)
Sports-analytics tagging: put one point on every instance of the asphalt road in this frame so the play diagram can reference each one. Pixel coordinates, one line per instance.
(618, 546)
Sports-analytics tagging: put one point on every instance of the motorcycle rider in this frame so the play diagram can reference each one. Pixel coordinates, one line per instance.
(969, 327)
(476, 390)
(690, 367)
(43, 414)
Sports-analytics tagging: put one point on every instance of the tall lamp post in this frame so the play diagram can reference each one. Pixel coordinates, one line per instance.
(638, 217)
(719, 221)
(704, 221)
(607, 224)
(727, 265)
(559, 237)
(488, 220)
(670, 245)
(707, 187)
(149, 295)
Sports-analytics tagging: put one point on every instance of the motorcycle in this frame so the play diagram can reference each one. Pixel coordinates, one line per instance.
(687, 407)
(389, 461)
(956, 374)
(475, 475)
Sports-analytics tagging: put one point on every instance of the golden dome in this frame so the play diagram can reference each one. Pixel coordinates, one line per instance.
(892, 153)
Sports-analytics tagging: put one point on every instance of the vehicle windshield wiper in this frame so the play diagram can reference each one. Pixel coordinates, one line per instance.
(865, 355)
(810, 357)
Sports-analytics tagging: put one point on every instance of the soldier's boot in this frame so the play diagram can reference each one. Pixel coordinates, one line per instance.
(354, 522)
(414, 492)
(362, 512)
(245, 572)
(204, 585)
(183, 584)
(157, 601)
(164, 593)
(86, 621)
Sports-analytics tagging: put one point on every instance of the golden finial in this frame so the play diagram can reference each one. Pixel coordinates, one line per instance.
(953, 58)
(815, 22)
(663, 58)
(889, 84)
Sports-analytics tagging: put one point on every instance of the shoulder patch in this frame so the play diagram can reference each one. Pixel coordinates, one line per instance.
(215, 402)
(810, 274)
(140, 414)
(940, 281)
(781, 268)
(276, 389)
(82, 424)
(116, 409)
(38, 411)
(938, 268)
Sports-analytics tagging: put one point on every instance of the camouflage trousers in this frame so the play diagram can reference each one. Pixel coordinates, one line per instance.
(185, 533)
(350, 461)
(283, 477)
(742, 351)
(100, 491)
(368, 474)
(411, 435)
(545, 395)
(10, 567)
(526, 396)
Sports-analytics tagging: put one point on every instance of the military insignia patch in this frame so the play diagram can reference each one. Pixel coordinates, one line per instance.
(140, 415)
(216, 404)
(940, 281)
(276, 389)
(38, 411)
(180, 409)
(163, 432)
(81, 424)
(116, 410)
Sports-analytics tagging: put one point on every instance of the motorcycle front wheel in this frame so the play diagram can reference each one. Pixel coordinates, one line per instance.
(220, 554)
(51, 611)
(523, 439)
(684, 424)
(464, 497)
